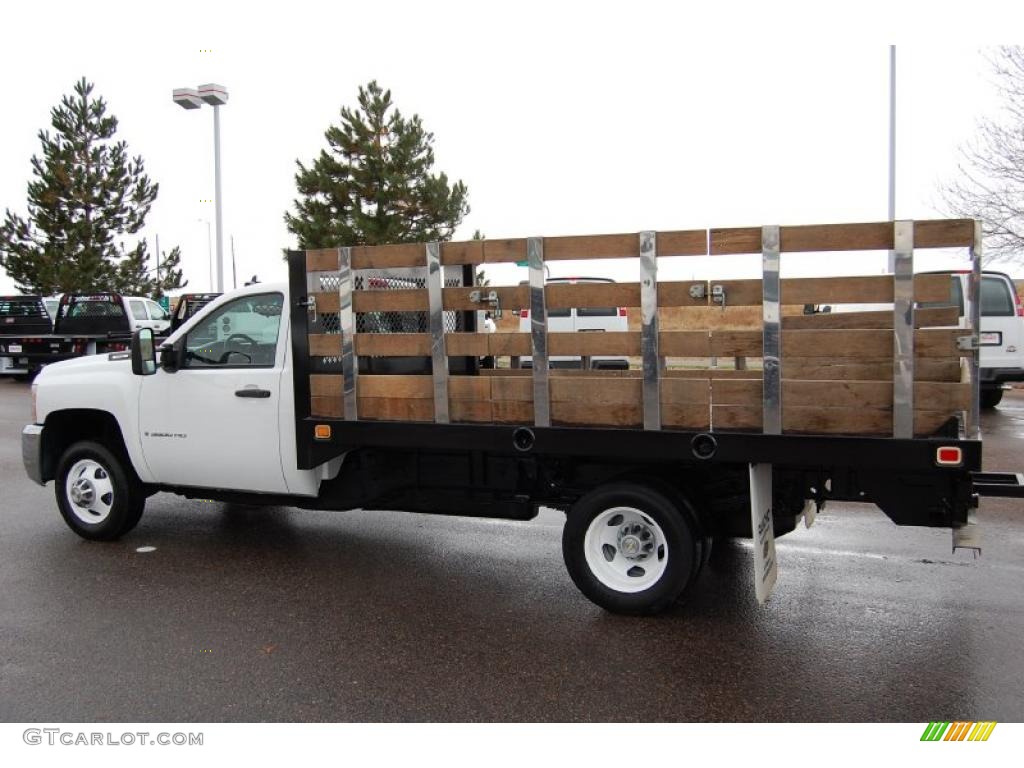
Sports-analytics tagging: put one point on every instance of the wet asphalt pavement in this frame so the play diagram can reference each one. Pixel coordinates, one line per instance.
(274, 614)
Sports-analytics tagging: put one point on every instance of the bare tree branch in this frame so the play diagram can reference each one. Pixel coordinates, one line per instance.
(990, 183)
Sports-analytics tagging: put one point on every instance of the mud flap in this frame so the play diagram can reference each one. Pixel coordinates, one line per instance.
(765, 565)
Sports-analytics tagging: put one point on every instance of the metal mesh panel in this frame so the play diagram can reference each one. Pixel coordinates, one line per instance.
(385, 322)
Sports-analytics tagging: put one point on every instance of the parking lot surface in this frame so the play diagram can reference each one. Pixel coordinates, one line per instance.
(245, 614)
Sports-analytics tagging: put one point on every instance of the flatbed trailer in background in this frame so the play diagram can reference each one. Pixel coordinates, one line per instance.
(84, 324)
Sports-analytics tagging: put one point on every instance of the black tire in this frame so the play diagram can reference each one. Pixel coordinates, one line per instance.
(128, 498)
(676, 527)
(990, 398)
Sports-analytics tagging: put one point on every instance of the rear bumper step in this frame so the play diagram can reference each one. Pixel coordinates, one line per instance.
(1004, 484)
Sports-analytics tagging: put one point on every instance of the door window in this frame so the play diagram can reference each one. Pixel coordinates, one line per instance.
(156, 312)
(138, 309)
(996, 300)
(241, 334)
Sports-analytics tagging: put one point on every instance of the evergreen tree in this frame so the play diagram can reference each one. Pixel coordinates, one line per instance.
(373, 184)
(85, 196)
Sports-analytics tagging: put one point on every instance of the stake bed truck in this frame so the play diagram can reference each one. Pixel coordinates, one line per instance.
(358, 385)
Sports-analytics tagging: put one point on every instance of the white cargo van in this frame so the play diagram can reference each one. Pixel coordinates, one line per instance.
(1002, 332)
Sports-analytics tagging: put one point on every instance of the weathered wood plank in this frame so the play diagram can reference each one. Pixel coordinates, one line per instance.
(872, 236)
(857, 289)
(389, 256)
(690, 242)
(814, 420)
(852, 344)
(322, 260)
(882, 319)
(867, 370)
(462, 252)
(392, 344)
(592, 247)
(933, 396)
(325, 345)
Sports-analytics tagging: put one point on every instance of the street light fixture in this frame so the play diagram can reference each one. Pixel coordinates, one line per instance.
(216, 96)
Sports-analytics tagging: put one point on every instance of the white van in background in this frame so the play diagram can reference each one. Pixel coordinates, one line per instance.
(1002, 331)
(580, 320)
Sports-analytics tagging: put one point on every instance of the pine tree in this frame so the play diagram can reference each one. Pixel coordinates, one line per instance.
(374, 183)
(85, 196)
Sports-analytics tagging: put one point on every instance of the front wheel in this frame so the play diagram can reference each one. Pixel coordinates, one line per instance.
(631, 548)
(99, 497)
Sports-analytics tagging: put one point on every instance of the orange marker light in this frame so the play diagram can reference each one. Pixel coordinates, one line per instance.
(322, 431)
(949, 457)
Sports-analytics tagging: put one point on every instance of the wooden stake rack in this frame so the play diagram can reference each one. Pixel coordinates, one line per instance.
(903, 371)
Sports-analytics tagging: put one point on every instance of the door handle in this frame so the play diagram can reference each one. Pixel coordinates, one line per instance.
(252, 392)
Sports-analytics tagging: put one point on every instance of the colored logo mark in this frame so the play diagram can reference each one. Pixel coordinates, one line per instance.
(958, 731)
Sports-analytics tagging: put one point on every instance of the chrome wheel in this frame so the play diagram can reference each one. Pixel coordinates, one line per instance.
(89, 491)
(625, 549)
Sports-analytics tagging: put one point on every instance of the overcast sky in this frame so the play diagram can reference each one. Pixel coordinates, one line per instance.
(561, 119)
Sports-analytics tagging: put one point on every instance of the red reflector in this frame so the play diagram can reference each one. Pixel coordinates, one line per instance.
(949, 457)
(622, 311)
(524, 313)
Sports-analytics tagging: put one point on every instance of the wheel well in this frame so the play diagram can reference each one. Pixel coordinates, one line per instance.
(64, 428)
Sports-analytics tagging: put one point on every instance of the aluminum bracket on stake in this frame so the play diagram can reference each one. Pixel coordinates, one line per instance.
(771, 399)
(649, 330)
(438, 352)
(539, 333)
(347, 325)
(903, 330)
(974, 295)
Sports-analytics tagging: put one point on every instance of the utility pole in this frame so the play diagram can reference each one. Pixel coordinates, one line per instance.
(159, 292)
(234, 271)
(892, 147)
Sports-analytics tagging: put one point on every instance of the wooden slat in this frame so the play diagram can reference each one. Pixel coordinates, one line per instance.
(322, 260)
(502, 344)
(592, 247)
(504, 250)
(392, 344)
(327, 407)
(585, 414)
(691, 242)
(861, 289)
(944, 233)
(593, 343)
(851, 344)
(872, 236)
(933, 396)
(389, 256)
(882, 319)
(840, 290)
(685, 416)
(567, 295)
(325, 345)
(814, 420)
(867, 370)
(326, 385)
(464, 252)
(511, 297)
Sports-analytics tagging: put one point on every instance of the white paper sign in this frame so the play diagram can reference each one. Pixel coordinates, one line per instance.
(765, 565)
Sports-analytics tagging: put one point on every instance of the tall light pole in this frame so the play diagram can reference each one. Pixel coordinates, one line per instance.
(892, 147)
(216, 96)
(209, 251)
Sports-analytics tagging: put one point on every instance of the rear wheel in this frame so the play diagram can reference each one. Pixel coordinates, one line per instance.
(99, 497)
(990, 398)
(632, 548)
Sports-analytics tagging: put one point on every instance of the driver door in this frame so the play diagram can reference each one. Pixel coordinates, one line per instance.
(214, 422)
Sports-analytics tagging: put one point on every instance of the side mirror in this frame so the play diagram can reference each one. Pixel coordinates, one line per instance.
(143, 352)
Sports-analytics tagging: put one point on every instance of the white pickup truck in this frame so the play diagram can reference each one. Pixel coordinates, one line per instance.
(224, 413)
